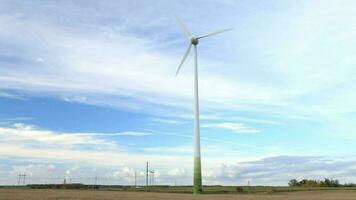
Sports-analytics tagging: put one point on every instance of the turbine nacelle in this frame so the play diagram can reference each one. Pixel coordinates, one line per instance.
(194, 41)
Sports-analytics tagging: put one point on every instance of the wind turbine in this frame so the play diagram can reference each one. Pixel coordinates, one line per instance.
(194, 41)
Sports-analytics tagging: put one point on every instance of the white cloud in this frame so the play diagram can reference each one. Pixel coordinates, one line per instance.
(10, 95)
(132, 133)
(235, 127)
(185, 149)
(53, 151)
(30, 143)
(165, 121)
(105, 156)
(27, 142)
(23, 132)
(276, 170)
(124, 172)
(169, 150)
(19, 119)
(177, 172)
(39, 59)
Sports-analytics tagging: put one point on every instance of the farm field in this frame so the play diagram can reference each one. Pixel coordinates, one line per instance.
(59, 194)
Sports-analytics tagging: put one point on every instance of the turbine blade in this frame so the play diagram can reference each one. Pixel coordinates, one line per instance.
(184, 27)
(215, 33)
(184, 58)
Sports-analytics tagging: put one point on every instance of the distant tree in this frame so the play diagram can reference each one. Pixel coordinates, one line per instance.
(315, 183)
(293, 182)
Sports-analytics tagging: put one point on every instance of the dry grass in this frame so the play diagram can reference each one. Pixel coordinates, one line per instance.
(32, 194)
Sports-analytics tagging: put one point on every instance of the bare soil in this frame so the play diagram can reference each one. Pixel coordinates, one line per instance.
(45, 194)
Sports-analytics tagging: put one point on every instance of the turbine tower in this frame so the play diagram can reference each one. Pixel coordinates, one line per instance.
(194, 41)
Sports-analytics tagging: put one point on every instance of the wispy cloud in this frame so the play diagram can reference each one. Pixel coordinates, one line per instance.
(235, 127)
(281, 169)
(18, 119)
(132, 133)
(10, 95)
(165, 150)
(26, 142)
(165, 121)
(25, 132)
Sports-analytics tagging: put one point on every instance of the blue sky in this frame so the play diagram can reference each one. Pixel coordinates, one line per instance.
(88, 89)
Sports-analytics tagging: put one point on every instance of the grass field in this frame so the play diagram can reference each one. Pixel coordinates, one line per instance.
(59, 194)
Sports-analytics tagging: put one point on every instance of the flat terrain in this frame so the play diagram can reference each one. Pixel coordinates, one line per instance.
(46, 194)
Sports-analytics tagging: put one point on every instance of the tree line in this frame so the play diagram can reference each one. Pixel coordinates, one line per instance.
(319, 183)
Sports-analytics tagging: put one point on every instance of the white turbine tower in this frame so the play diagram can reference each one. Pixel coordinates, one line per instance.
(197, 161)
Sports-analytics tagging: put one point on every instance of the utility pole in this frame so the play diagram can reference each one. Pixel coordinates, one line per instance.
(146, 175)
(19, 180)
(152, 176)
(96, 180)
(135, 178)
(24, 179)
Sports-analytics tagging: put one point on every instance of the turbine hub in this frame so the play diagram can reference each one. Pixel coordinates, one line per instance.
(194, 41)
